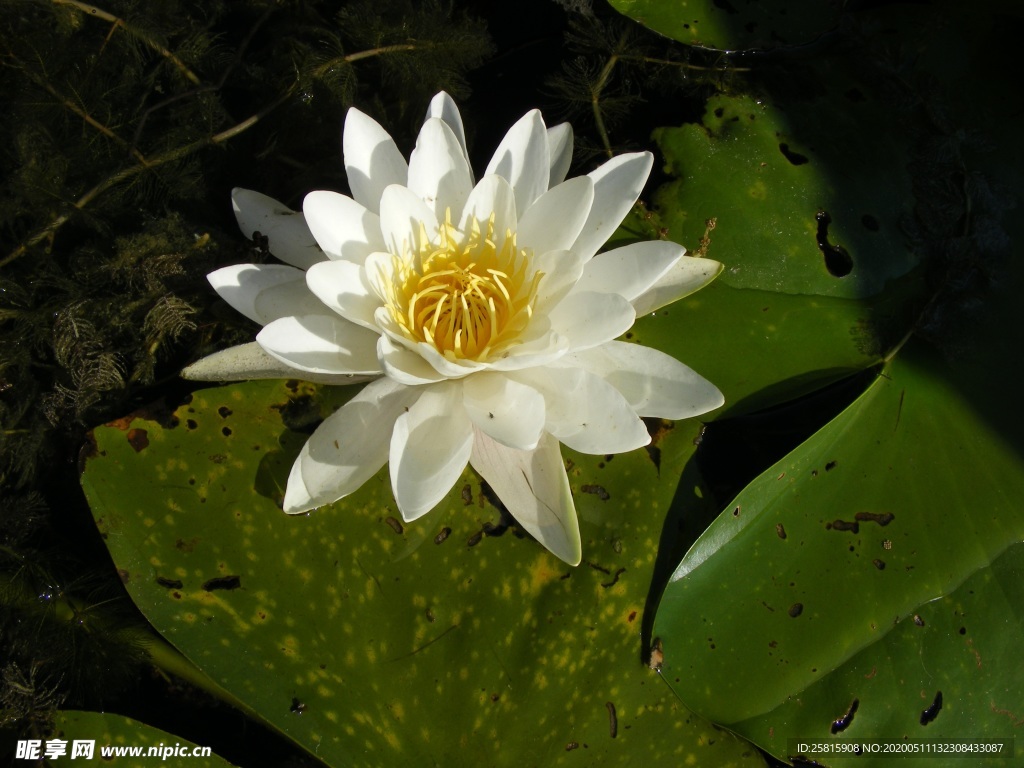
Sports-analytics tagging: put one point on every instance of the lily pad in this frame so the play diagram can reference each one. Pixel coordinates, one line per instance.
(789, 345)
(113, 738)
(845, 567)
(731, 25)
(452, 640)
(804, 204)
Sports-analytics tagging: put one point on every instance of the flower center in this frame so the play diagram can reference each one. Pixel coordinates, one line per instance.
(463, 294)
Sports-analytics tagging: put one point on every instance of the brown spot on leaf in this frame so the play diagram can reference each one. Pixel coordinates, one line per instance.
(796, 609)
(843, 525)
(444, 534)
(780, 531)
(186, 546)
(163, 581)
(138, 439)
(615, 578)
(597, 490)
(222, 582)
(882, 518)
(613, 720)
(395, 525)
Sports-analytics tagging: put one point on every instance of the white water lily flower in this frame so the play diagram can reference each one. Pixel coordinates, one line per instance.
(479, 310)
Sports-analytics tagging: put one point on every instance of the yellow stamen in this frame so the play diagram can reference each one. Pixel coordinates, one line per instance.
(462, 292)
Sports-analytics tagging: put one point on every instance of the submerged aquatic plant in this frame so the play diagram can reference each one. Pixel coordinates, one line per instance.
(481, 313)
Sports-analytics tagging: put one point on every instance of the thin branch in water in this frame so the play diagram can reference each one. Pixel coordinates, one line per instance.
(598, 86)
(176, 154)
(235, 61)
(71, 106)
(99, 13)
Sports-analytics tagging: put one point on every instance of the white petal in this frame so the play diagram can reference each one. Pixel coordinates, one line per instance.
(250, 361)
(404, 219)
(322, 344)
(447, 369)
(429, 449)
(343, 287)
(523, 159)
(263, 292)
(588, 319)
(349, 447)
(560, 150)
(492, 195)
(343, 228)
(557, 217)
(450, 369)
(378, 274)
(561, 270)
(506, 410)
(372, 161)
(689, 274)
(654, 384)
(439, 171)
(286, 300)
(444, 107)
(286, 231)
(630, 270)
(297, 497)
(617, 185)
(538, 345)
(404, 365)
(585, 412)
(533, 486)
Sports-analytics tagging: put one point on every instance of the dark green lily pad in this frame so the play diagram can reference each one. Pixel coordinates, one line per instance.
(876, 562)
(804, 204)
(734, 24)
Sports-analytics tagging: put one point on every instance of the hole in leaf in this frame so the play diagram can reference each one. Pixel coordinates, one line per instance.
(838, 261)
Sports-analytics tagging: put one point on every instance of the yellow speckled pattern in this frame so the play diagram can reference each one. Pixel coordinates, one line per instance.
(476, 649)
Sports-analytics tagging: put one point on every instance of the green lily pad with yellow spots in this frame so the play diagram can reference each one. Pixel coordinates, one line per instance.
(454, 640)
(109, 739)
